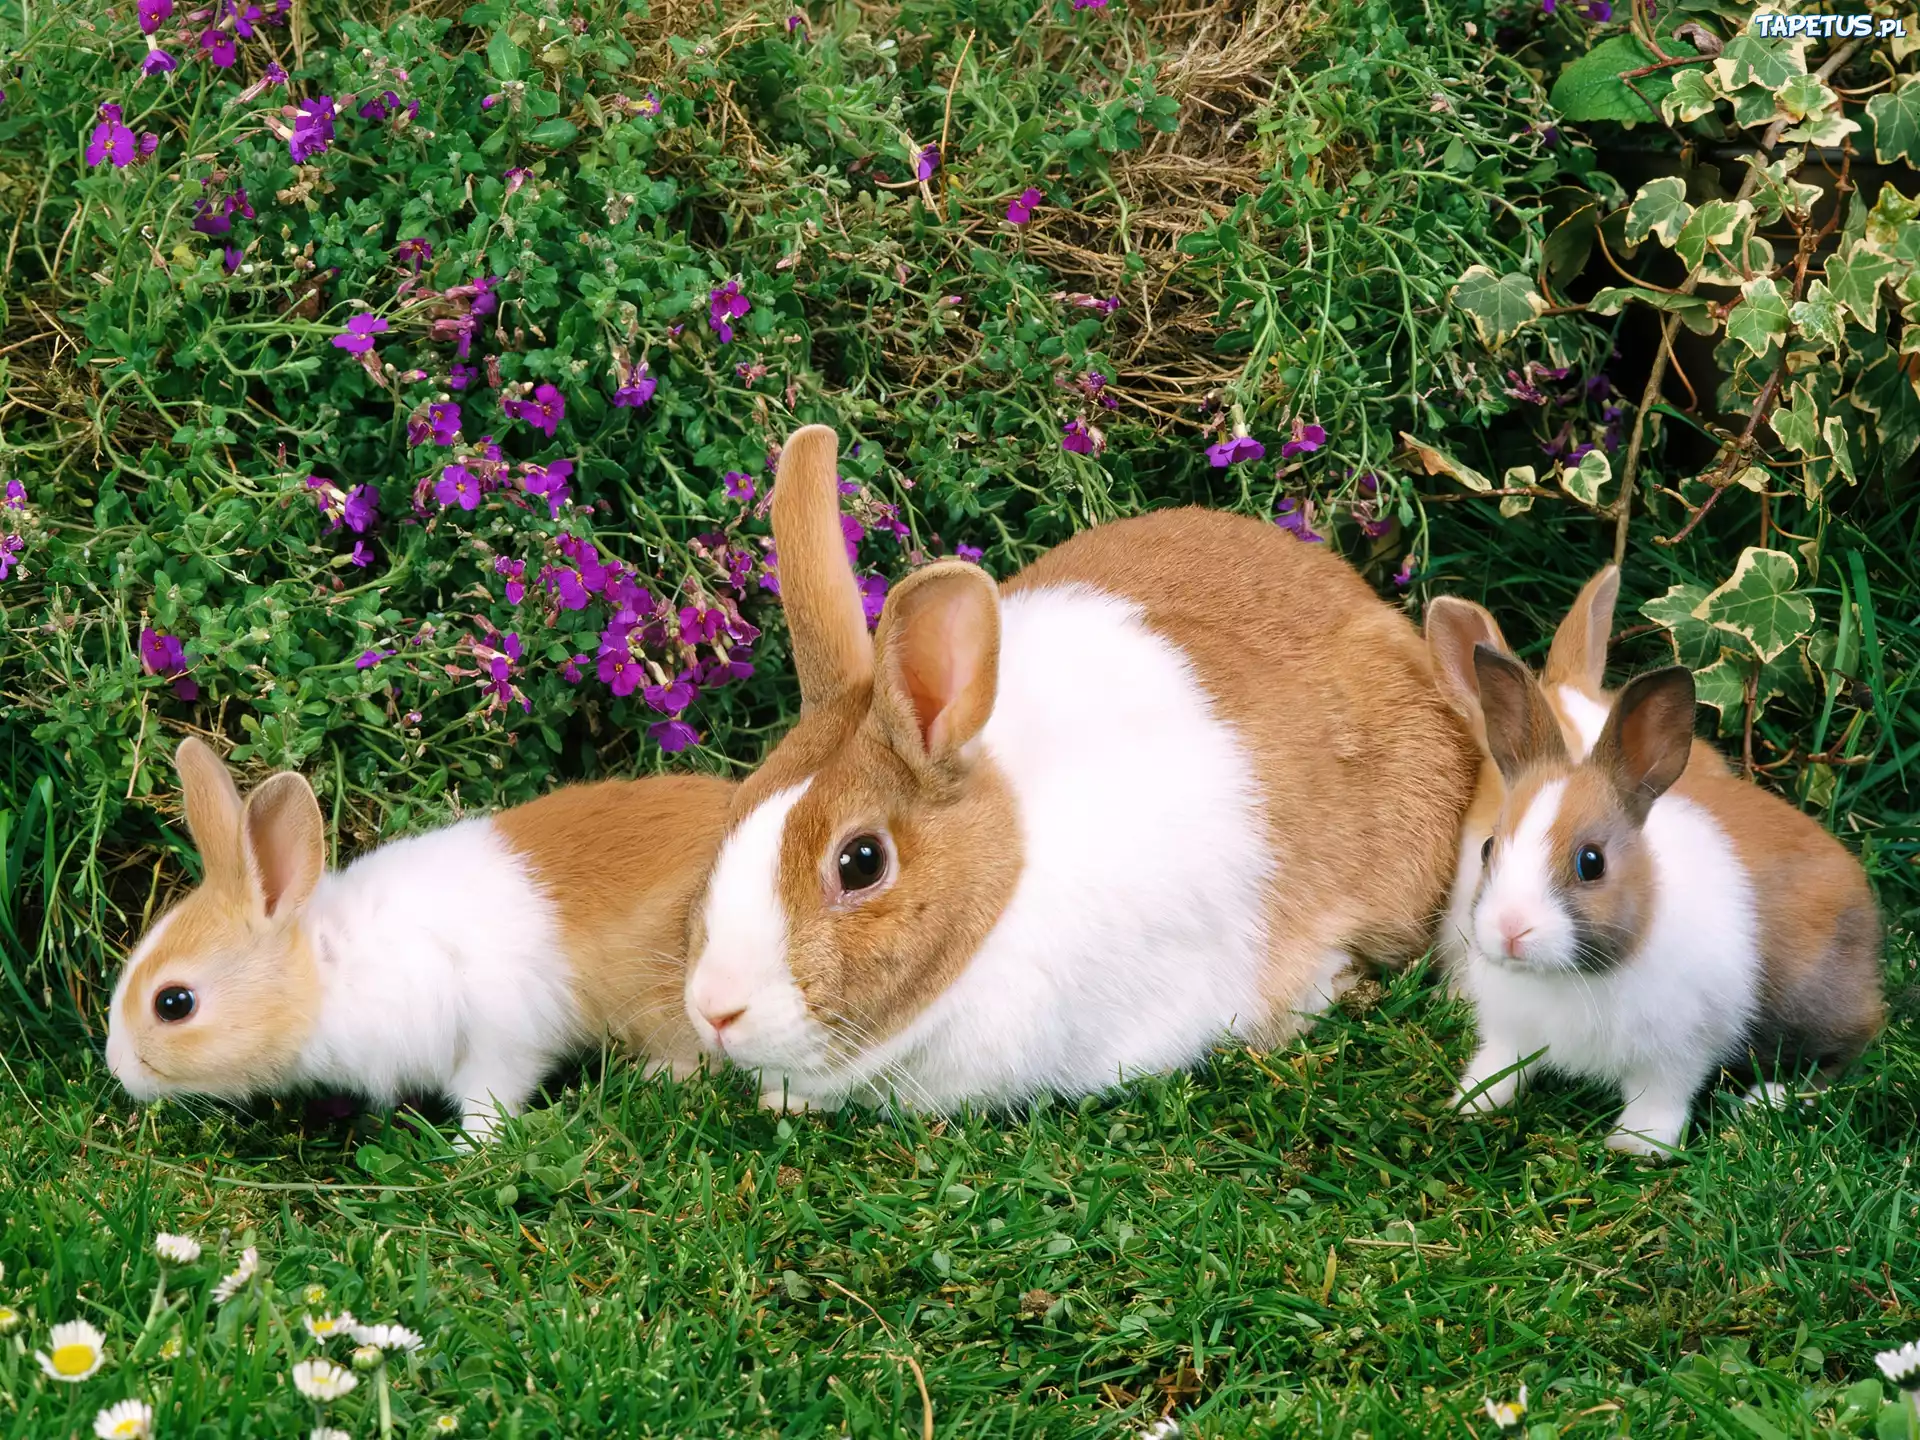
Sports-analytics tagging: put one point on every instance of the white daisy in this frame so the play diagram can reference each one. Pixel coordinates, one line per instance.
(9, 1319)
(387, 1337)
(176, 1249)
(78, 1352)
(1507, 1414)
(315, 1296)
(445, 1424)
(326, 1327)
(172, 1347)
(323, 1380)
(232, 1284)
(129, 1420)
(1901, 1366)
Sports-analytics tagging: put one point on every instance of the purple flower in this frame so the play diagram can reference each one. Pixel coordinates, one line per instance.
(274, 74)
(638, 389)
(217, 46)
(231, 256)
(738, 486)
(852, 532)
(154, 14)
(1295, 516)
(873, 597)
(415, 252)
(1598, 11)
(165, 655)
(571, 672)
(516, 178)
(515, 572)
(361, 555)
(357, 338)
(1306, 439)
(370, 658)
(1232, 452)
(381, 106)
(669, 699)
(111, 140)
(1403, 577)
(312, 129)
(648, 104)
(551, 481)
(1020, 209)
(459, 377)
(458, 485)
(443, 418)
(16, 497)
(724, 306)
(1080, 438)
(567, 588)
(10, 548)
(544, 411)
(622, 673)
(158, 62)
(243, 17)
(796, 22)
(672, 736)
(964, 551)
(1089, 4)
(213, 214)
(927, 162)
(361, 509)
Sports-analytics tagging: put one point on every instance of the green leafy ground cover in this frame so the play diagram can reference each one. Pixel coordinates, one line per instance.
(1359, 238)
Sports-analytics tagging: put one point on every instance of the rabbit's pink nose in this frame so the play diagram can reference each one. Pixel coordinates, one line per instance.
(1512, 932)
(721, 1022)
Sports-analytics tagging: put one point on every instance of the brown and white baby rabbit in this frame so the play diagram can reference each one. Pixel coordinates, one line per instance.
(1574, 686)
(467, 961)
(1646, 920)
(1166, 786)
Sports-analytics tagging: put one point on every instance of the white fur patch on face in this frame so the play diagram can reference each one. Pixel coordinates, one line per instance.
(123, 1059)
(1516, 920)
(1587, 716)
(742, 971)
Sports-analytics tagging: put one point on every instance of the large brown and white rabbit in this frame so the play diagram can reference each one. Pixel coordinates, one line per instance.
(467, 961)
(1646, 919)
(1573, 686)
(1167, 785)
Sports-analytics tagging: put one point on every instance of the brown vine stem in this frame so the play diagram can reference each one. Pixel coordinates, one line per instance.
(1623, 503)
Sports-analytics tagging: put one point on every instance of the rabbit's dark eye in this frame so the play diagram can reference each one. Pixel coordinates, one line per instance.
(863, 860)
(1486, 852)
(1589, 864)
(173, 1003)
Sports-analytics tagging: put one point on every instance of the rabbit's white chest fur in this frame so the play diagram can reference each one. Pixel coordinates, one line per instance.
(441, 970)
(1136, 936)
(1668, 1014)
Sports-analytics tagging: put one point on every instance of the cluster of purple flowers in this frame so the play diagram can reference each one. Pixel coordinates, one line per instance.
(1020, 209)
(12, 542)
(438, 422)
(356, 510)
(724, 306)
(112, 142)
(165, 656)
(637, 388)
(1524, 385)
(543, 411)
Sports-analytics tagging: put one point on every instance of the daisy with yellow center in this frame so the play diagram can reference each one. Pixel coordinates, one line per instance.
(129, 1420)
(326, 1327)
(172, 1347)
(176, 1249)
(232, 1284)
(387, 1337)
(9, 1319)
(1507, 1414)
(445, 1424)
(322, 1380)
(76, 1353)
(315, 1296)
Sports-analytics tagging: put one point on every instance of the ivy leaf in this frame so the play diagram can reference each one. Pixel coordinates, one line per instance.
(1889, 222)
(1695, 311)
(1661, 209)
(1723, 267)
(1798, 426)
(1590, 88)
(1759, 321)
(1692, 96)
(1760, 603)
(1695, 643)
(1714, 223)
(1895, 115)
(1753, 70)
(1885, 392)
(1803, 95)
(1583, 482)
(1567, 249)
(1512, 505)
(1723, 685)
(1834, 431)
(1825, 129)
(1818, 316)
(1855, 280)
(1778, 190)
(1434, 462)
(1498, 305)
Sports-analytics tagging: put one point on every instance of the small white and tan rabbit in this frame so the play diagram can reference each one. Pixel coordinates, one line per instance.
(467, 961)
(1646, 919)
(1166, 786)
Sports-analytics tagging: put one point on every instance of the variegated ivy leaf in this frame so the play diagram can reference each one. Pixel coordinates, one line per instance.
(1778, 191)
(1828, 128)
(1753, 70)
(1714, 223)
(1722, 267)
(1584, 480)
(1753, 478)
(1512, 505)
(1438, 462)
(1498, 305)
(1723, 685)
(1798, 425)
(1803, 95)
(1695, 643)
(1695, 311)
(1761, 603)
(1692, 96)
(1834, 432)
(1661, 209)
(1896, 121)
(1855, 280)
(1890, 220)
(1818, 316)
(1759, 321)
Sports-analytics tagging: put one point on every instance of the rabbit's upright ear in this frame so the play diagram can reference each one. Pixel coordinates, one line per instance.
(285, 843)
(1454, 628)
(831, 650)
(939, 662)
(1648, 737)
(1521, 730)
(1579, 653)
(213, 811)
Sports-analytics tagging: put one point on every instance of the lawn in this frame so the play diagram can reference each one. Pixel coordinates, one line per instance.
(324, 415)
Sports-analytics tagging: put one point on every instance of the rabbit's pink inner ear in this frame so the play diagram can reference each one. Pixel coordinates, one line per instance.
(213, 811)
(831, 650)
(940, 658)
(1579, 653)
(1454, 628)
(285, 842)
(1521, 730)
(1648, 737)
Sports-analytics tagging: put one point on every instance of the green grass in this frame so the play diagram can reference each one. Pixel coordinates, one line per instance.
(1304, 1243)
